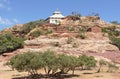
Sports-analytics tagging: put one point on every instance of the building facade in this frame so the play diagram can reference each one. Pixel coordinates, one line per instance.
(56, 17)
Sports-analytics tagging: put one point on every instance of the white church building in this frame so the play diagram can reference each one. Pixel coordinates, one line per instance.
(56, 17)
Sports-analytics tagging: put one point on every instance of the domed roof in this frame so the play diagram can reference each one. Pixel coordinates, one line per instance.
(57, 14)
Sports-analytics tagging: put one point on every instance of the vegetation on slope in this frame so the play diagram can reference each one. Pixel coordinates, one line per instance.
(9, 42)
(31, 25)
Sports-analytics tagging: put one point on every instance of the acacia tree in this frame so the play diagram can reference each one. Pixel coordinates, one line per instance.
(74, 63)
(50, 60)
(67, 63)
(28, 61)
(86, 62)
(64, 63)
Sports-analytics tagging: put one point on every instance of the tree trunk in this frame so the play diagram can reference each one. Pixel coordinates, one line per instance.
(73, 70)
(99, 69)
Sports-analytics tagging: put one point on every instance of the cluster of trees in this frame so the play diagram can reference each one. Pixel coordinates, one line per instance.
(52, 64)
(9, 42)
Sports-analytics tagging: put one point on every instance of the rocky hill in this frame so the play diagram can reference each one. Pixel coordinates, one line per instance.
(73, 36)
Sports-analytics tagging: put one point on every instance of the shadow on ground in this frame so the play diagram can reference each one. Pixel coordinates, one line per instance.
(63, 76)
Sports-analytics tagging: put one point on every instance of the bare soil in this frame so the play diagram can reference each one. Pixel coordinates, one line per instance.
(7, 73)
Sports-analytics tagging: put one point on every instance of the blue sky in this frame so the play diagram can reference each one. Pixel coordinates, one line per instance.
(21, 11)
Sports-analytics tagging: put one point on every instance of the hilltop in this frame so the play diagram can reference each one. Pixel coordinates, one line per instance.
(73, 35)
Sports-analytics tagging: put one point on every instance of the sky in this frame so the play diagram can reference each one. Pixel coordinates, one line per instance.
(22, 11)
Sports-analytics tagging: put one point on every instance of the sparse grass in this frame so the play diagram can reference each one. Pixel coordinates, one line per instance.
(79, 74)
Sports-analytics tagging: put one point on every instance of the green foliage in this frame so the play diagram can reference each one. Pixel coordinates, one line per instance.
(104, 30)
(56, 44)
(31, 25)
(8, 43)
(36, 33)
(28, 61)
(101, 63)
(115, 41)
(81, 33)
(67, 63)
(82, 36)
(48, 32)
(71, 28)
(87, 62)
(50, 62)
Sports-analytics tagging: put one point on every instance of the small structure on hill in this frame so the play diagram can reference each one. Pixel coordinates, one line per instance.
(95, 29)
(56, 17)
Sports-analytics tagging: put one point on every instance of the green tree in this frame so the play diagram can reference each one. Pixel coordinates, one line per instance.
(9, 42)
(29, 61)
(86, 62)
(50, 61)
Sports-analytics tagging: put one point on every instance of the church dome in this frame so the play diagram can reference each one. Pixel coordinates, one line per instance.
(57, 12)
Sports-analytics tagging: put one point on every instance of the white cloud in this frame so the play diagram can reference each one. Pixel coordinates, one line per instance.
(5, 21)
(5, 4)
(15, 20)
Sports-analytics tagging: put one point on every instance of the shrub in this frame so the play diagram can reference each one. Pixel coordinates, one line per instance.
(9, 43)
(48, 32)
(31, 25)
(56, 44)
(36, 33)
(71, 28)
(115, 41)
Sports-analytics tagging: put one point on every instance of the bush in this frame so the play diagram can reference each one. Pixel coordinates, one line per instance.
(81, 35)
(31, 25)
(48, 32)
(9, 43)
(36, 33)
(56, 44)
(71, 28)
(115, 41)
